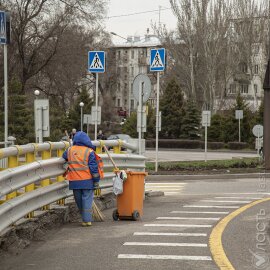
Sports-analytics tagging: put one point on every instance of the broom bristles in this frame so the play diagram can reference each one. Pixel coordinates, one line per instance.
(96, 213)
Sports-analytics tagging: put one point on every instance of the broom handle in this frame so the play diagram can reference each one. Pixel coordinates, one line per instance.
(107, 151)
(69, 140)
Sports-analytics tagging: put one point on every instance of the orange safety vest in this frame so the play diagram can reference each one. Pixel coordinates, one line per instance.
(78, 168)
(100, 166)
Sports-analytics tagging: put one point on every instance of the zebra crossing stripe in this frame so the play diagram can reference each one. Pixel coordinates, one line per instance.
(156, 244)
(189, 218)
(170, 234)
(215, 201)
(212, 206)
(164, 257)
(178, 225)
(198, 212)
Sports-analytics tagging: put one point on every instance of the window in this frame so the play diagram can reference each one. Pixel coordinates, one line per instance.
(232, 89)
(125, 86)
(132, 54)
(125, 102)
(131, 88)
(118, 102)
(118, 87)
(125, 69)
(244, 88)
(256, 69)
(243, 67)
(119, 55)
(132, 104)
(132, 71)
(255, 88)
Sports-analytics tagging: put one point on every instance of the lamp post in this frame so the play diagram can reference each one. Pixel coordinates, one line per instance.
(129, 92)
(81, 105)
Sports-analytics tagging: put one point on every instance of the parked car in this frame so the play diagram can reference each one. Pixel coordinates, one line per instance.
(123, 137)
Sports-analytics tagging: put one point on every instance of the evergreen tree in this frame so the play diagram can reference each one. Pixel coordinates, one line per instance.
(259, 117)
(231, 129)
(20, 115)
(190, 121)
(172, 112)
(74, 117)
(130, 126)
(215, 131)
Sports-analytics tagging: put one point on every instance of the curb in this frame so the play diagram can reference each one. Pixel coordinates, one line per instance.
(206, 177)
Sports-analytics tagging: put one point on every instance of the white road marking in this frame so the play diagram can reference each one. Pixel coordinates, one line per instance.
(211, 206)
(178, 225)
(156, 244)
(239, 198)
(215, 201)
(189, 218)
(170, 234)
(164, 257)
(198, 212)
(164, 183)
(258, 193)
(164, 189)
(170, 192)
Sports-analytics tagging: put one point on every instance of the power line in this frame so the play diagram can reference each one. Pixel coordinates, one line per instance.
(137, 13)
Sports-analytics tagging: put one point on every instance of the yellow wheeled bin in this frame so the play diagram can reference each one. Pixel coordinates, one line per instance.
(130, 202)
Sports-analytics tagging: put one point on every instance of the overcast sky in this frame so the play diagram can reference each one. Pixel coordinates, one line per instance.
(137, 24)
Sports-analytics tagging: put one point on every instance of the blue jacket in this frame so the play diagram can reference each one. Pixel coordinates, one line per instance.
(82, 139)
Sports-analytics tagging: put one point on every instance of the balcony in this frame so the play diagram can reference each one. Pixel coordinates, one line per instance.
(242, 78)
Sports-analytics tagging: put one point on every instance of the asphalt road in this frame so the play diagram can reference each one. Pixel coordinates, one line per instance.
(181, 155)
(173, 233)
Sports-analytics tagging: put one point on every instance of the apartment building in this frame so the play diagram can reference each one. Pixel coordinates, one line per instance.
(132, 57)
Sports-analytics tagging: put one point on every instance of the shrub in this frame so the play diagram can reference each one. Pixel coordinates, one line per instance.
(216, 145)
(237, 145)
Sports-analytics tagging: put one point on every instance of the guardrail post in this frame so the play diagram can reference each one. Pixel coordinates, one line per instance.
(99, 148)
(117, 149)
(46, 182)
(29, 158)
(60, 178)
(13, 162)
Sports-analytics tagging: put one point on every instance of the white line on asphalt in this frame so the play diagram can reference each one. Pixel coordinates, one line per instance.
(156, 244)
(164, 189)
(164, 257)
(178, 225)
(191, 218)
(215, 201)
(211, 206)
(240, 198)
(158, 183)
(198, 212)
(258, 193)
(170, 234)
(170, 192)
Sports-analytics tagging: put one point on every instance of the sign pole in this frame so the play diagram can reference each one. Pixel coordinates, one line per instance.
(205, 144)
(6, 93)
(40, 124)
(239, 130)
(140, 118)
(96, 113)
(157, 122)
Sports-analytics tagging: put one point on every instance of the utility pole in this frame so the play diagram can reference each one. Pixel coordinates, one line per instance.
(266, 112)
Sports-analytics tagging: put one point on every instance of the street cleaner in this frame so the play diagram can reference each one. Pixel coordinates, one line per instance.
(83, 174)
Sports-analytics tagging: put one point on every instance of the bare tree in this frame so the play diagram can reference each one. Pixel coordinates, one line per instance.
(38, 28)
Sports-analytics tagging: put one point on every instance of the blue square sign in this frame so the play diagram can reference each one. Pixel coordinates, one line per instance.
(96, 61)
(3, 28)
(157, 60)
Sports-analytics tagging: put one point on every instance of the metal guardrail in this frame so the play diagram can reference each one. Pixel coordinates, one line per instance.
(36, 172)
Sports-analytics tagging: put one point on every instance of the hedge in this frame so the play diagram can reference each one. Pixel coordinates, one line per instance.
(195, 144)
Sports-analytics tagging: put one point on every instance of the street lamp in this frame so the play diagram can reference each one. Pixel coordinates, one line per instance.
(81, 105)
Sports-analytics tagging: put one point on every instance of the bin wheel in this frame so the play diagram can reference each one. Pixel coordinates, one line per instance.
(135, 215)
(115, 215)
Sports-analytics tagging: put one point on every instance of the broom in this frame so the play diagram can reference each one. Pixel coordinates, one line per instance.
(96, 213)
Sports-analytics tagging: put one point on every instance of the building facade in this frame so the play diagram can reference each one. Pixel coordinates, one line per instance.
(132, 57)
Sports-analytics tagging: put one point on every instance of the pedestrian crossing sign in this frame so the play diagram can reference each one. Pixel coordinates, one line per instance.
(96, 61)
(3, 32)
(157, 60)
